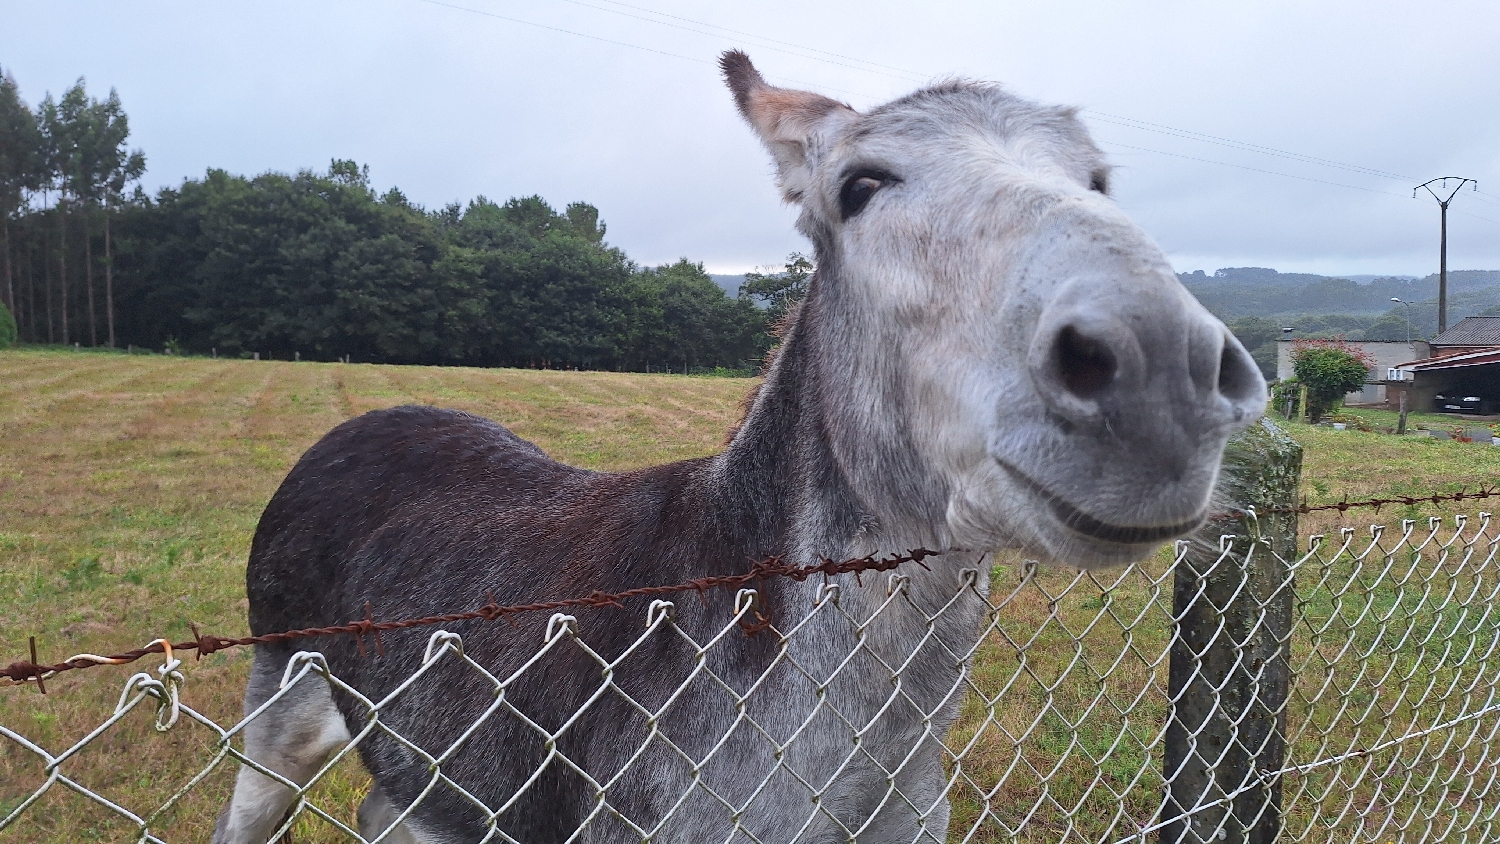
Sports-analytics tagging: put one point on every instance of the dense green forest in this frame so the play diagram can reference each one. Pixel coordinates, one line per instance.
(322, 266)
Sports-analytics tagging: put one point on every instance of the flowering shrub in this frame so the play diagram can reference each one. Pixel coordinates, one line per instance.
(1330, 368)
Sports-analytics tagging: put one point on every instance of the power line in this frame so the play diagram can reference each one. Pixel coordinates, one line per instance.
(1279, 173)
(608, 40)
(565, 31)
(898, 74)
(1252, 169)
(1482, 196)
(1476, 216)
(913, 76)
(1230, 142)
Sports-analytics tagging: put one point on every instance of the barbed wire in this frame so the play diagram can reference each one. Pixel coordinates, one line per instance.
(25, 671)
(29, 670)
(1376, 503)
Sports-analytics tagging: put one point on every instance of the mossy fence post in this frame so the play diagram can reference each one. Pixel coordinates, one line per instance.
(1230, 670)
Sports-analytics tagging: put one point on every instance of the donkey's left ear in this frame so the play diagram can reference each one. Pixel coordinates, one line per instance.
(796, 126)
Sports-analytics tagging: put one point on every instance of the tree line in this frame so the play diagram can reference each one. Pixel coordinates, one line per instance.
(71, 155)
(321, 266)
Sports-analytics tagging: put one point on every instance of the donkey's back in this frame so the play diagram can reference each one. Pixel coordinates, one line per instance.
(417, 511)
(374, 490)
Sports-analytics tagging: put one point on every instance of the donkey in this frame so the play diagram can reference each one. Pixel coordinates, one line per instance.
(991, 356)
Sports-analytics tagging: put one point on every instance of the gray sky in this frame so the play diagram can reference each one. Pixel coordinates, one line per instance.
(448, 103)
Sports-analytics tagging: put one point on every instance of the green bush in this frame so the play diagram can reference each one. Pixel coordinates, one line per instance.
(7, 327)
(1285, 391)
(1329, 368)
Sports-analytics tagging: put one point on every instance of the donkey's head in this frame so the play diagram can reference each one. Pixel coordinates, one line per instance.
(1003, 358)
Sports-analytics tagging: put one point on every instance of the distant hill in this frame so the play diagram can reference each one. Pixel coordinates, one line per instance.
(1250, 277)
(1258, 303)
(730, 283)
(1366, 279)
(1256, 291)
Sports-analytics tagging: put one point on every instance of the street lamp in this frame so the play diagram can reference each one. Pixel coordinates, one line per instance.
(1408, 318)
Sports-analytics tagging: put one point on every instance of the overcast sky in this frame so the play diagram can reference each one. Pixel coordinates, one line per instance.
(620, 105)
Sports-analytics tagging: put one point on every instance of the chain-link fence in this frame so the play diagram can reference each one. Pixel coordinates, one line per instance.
(1250, 685)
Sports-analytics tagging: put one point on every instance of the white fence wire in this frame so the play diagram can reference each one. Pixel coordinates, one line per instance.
(1065, 731)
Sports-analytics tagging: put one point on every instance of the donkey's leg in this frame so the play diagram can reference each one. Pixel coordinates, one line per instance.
(376, 814)
(294, 738)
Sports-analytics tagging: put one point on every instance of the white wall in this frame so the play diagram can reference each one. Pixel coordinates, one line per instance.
(1386, 356)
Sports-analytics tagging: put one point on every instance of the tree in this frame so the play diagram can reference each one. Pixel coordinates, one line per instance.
(20, 168)
(780, 291)
(104, 168)
(7, 328)
(60, 121)
(1329, 369)
(682, 315)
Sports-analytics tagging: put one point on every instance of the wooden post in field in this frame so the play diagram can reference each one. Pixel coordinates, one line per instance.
(1401, 422)
(1230, 670)
(1303, 407)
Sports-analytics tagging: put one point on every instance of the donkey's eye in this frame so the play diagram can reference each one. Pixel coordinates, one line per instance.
(858, 189)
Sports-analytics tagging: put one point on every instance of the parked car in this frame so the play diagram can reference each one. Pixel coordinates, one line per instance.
(1456, 404)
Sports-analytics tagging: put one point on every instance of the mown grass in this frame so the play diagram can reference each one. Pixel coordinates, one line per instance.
(130, 486)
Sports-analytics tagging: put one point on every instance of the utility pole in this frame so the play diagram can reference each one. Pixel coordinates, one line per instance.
(1443, 253)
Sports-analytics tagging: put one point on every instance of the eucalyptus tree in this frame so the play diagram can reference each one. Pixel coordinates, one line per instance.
(103, 169)
(21, 168)
(59, 120)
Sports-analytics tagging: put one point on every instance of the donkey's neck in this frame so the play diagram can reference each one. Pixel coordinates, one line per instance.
(780, 489)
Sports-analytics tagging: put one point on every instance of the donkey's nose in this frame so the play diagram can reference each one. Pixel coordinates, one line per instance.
(1223, 370)
(1090, 363)
(1081, 358)
(1239, 379)
(1085, 366)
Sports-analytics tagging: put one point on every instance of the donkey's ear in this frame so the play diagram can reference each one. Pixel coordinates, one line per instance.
(796, 126)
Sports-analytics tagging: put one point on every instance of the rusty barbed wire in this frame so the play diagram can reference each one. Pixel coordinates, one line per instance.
(23, 671)
(1372, 503)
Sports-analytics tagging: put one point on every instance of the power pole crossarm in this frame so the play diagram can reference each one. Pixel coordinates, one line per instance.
(1443, 245)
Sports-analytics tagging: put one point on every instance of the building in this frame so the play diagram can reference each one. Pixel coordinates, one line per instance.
(1464, 361)
(1387, 357)
(1471, 334)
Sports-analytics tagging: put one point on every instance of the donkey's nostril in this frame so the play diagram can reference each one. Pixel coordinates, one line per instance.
(1085, 365)
(1238, 377)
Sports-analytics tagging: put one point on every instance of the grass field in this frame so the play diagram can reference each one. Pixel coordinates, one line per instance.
(130, 486)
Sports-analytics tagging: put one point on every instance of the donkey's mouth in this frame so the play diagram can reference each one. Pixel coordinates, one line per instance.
(1081, 522)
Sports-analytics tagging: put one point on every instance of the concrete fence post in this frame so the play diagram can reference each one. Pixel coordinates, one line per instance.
(1230, 672)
